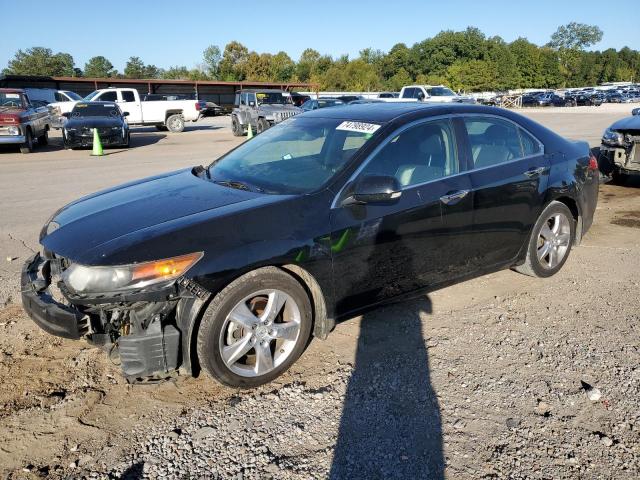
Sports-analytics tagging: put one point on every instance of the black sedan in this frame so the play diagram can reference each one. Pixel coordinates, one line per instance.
(232, 267)
(105, 117)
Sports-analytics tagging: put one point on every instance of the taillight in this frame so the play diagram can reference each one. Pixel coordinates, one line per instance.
(593, 163)
(198, 106)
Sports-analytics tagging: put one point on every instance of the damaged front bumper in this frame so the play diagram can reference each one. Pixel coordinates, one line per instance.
(624, 158)
(149, 330)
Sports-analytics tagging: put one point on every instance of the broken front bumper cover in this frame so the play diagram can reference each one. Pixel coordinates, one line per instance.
(53, 317)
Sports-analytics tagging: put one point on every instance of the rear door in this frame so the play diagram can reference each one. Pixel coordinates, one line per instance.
(381, 251)
(509, 175)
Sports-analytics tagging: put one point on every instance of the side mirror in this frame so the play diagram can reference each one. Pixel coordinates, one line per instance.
(252, 104)
(374, 189)
(420, 95)
(66, 114)
(635, 111)
(125, 114)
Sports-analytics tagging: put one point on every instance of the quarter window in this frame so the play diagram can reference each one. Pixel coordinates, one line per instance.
(492, 141)
(417, 155)
(530, 145)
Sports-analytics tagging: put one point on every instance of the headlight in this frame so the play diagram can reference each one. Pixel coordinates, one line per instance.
(83, 279)
(116, 128)
(612, 137)
(13, 130)
(70, 129)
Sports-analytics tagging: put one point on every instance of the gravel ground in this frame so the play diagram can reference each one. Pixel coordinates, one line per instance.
(503, 376)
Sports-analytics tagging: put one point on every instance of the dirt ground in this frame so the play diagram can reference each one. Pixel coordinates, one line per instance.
(503, 376)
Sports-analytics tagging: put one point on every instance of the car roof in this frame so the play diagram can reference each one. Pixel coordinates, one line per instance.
(11, 90)
(384, 112)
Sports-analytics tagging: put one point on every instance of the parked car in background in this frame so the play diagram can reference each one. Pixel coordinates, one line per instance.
(261, 109)
(615, 97)
(105, 117)
(232, 267)
(433, 94)
(50, 95)
(389, 95)
(366, 100)
(588, 99)
(163, 114)
(298, 99)
(349, 98)
(314, 104)
(620, 148)
(21, 122)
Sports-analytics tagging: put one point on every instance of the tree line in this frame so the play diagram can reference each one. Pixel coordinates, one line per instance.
(464, 60)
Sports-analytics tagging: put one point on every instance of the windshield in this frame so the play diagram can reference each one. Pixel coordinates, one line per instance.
(95, 110)
(72, 95)
(440, 92)
(91, 95)
(272, 98)
(10, 100)
(298, 155)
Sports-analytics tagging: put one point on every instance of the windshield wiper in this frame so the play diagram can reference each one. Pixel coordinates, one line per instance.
(237, 185)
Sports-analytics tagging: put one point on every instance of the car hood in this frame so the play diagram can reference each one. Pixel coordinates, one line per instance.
(627, 123)
(93, 122)
(105, 216)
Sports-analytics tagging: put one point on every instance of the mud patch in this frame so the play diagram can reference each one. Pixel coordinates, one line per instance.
(628, 219)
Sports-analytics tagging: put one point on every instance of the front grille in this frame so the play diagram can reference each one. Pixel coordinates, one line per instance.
(280, 116)
(102, 131)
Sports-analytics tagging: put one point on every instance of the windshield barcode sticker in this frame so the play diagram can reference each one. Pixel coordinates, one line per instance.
(358, 127)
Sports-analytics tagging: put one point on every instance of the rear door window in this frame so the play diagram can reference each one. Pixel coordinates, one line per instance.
(128, 96)
(492, 141)
(408, 93)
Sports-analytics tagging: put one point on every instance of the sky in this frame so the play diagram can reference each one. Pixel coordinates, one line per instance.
(167, 33)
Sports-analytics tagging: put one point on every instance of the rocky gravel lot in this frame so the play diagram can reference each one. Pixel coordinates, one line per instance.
(500, 377)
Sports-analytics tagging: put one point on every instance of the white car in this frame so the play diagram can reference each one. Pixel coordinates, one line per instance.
(164, 114)
(431, 94)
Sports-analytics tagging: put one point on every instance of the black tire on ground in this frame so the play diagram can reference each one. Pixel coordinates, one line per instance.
(161, 128)
(44, 138)
(27, 146)
(175, 123)
(127, 142)
(534, 267)
(236, 128)
(617, 177)
(213, 321)
(262, 125)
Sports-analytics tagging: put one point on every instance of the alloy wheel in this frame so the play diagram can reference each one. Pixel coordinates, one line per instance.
(260, 332)
(553, 240)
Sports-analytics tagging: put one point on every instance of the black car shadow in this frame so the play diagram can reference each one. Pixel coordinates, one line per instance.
(390, 425)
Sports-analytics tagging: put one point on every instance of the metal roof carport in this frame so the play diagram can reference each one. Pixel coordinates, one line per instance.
(220, 92)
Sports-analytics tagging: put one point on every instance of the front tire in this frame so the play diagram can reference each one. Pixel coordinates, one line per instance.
(175, 123)
(254, 329)
(27, 146)
(262, 125)
(236, 128)
(550, 242)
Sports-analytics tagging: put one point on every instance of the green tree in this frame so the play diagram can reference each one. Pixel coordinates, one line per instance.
(233, 63)
(176, 73)
(99, 67)
(575, 36)
(282, 68)
(212, 57)
(134, 68)
(307, 64)
(41, 61)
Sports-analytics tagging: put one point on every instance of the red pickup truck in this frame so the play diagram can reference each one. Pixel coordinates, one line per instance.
(21, 123)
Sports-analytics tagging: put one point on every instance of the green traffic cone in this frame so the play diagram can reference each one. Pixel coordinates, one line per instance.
(249, 132)
(97, 145)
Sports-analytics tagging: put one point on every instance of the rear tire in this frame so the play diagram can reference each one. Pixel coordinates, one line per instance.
(617, 177)
(267, 345)
(44, 138)
(550, 242)
(236, 128)
(27, 146)
(175, 123)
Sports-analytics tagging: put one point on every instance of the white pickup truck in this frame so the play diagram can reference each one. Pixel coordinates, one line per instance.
(429, 94)
(164, 114)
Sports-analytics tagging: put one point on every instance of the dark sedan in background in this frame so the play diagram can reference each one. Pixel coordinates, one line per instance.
(106, 117)
(313, 104)
(232, 267)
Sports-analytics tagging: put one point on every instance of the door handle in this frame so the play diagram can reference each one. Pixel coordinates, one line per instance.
(453, 198)
(534, 172)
